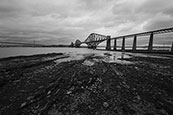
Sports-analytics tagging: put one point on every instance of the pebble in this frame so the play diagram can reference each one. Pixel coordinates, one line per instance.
(69, 92)
(138, 97)
(23, 104)
(88, 63)
(136, 67)
(30, 97)
(118, 87)
(16, 81)
(105, 104)
(49, 92)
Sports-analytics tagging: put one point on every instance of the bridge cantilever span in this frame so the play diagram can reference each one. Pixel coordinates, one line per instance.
(94, 39)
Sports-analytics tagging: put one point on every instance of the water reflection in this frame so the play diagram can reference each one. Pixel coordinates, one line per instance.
(107, 57)
(76, 54)
(117, 58)
(122, 56)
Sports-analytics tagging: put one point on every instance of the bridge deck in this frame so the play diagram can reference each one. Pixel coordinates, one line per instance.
(94, 39)
(160, 31)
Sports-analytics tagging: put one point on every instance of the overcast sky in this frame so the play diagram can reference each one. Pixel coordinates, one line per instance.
(63, 21)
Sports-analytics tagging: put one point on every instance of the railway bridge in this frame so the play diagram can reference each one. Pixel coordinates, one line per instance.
(94, 39)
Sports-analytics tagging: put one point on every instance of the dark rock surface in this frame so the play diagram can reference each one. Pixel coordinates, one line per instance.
(37, 85)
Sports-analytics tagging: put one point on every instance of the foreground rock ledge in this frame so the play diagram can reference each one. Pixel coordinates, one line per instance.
(37, 86)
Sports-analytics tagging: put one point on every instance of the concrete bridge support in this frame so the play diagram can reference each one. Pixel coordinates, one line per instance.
(172, 48)
(123, 44)
(150, 46)
(134, 43)
(108, 43)
(115, 44)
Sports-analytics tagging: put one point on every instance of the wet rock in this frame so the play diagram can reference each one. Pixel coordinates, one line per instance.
(136, 68)
(48, 92)
(118, 87)
(88, 63)
(124, 84)
(87, 87)
(107, 54)
(105, 104)
(23, 104)
(16, 81)
(30, 97)
(69, 92)
(138, 97)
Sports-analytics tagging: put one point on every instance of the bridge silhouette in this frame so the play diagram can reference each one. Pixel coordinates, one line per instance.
(94, 39)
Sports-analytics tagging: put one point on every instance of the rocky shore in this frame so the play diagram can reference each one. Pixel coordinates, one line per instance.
(91, 85)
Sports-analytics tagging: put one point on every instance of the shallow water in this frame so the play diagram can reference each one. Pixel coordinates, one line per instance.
(74, 54)
(108, 57)
(17, 51)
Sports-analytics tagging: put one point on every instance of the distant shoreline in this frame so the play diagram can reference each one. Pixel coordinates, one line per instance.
(85, 46)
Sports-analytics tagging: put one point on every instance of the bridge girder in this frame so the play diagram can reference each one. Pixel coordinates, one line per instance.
(160, 31)
(93, 40)
(78, 43)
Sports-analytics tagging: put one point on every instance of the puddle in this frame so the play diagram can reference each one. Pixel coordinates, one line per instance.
(105, 56)
(158, 56)
(108, 57)
(117, 58)
(99, 56)
(71, 57)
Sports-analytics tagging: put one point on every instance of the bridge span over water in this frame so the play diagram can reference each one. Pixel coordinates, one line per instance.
(94, 39)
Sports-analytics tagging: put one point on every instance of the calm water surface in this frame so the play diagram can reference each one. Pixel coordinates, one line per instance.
(17, 51)
(74, 53)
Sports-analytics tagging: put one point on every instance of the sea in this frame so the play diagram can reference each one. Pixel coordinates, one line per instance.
(26, 51)
(74, 53)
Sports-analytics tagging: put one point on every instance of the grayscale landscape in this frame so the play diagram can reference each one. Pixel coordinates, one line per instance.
(86, 57)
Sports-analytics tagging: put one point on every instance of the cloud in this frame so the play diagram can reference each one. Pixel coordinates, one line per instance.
(159, 21)
(60, 22)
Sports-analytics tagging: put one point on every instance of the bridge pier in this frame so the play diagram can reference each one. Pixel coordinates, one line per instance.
(123, 44)
(172, 48)
(115, 44)
(108, 43)
(150, 46)
(134, 43)
(93, 47)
